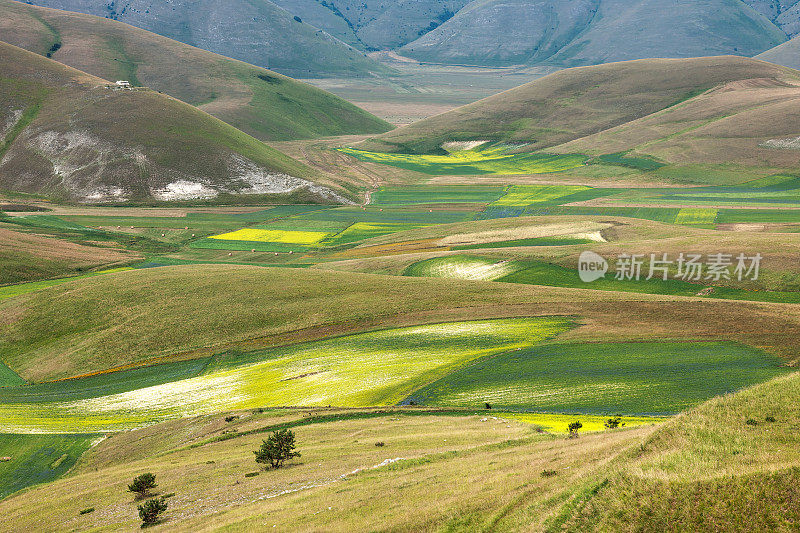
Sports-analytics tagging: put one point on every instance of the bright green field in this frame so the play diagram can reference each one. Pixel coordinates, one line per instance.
(436, 194)
(628, 378)
(15, 290)
(369, 369)
(528, 272)
(38, 458)
(494, 160)
(8, 377)
(366, 230)
(525, 195)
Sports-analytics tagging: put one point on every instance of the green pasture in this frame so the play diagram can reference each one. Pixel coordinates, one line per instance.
(104, 384)
(659, 378)
(368, 369)
(538, 241)
(480, 161)
(8, 377)
(23, 288)
(436, 194)
(532, 272)
(525, 195)
(38, 459)
(362, 230)
(247, 246)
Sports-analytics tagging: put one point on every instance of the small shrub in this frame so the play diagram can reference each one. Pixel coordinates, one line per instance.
(770, 419)
(87, 511)
(751, 422)
(231, 418)
(614, 423)
(380, 444)
(278, 448)
(252, 474)
(150, 510)
(549, 473)
(487, 405)
(573, 429)
(143, 484)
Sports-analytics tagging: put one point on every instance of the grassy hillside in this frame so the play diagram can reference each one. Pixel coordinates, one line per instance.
(743, 478)
(706, 470)
(264, 104)
(589, 32)
(27, 257)
(786, 54)
(499, 32)
(573, 103)
(68, 135)
(116, 319)
(265, 34)
(422, 478)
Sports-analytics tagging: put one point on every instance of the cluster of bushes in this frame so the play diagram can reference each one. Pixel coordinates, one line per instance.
(275, 451)
(151, 510)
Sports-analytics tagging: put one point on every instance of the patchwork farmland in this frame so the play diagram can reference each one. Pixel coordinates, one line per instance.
(549, 324)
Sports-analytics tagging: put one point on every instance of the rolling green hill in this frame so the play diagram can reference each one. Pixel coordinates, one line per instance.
(574, 103)
(264, 104)
(257, 32)
(68, 135)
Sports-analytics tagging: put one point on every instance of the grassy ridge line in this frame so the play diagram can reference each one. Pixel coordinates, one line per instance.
(291, 47)
(171, 139)
(617, 93)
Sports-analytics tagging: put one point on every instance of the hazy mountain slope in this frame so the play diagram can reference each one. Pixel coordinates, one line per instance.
(255, 31)
(573, 103)
(786, 54)
(670, 28)
(504, 32)
(266, 105)
(376, 25)
(584, 32)
(323, 15)
(67, 136)
(784, 13)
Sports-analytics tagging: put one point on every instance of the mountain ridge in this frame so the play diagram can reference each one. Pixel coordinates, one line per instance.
(74, 137)
(262, 103)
